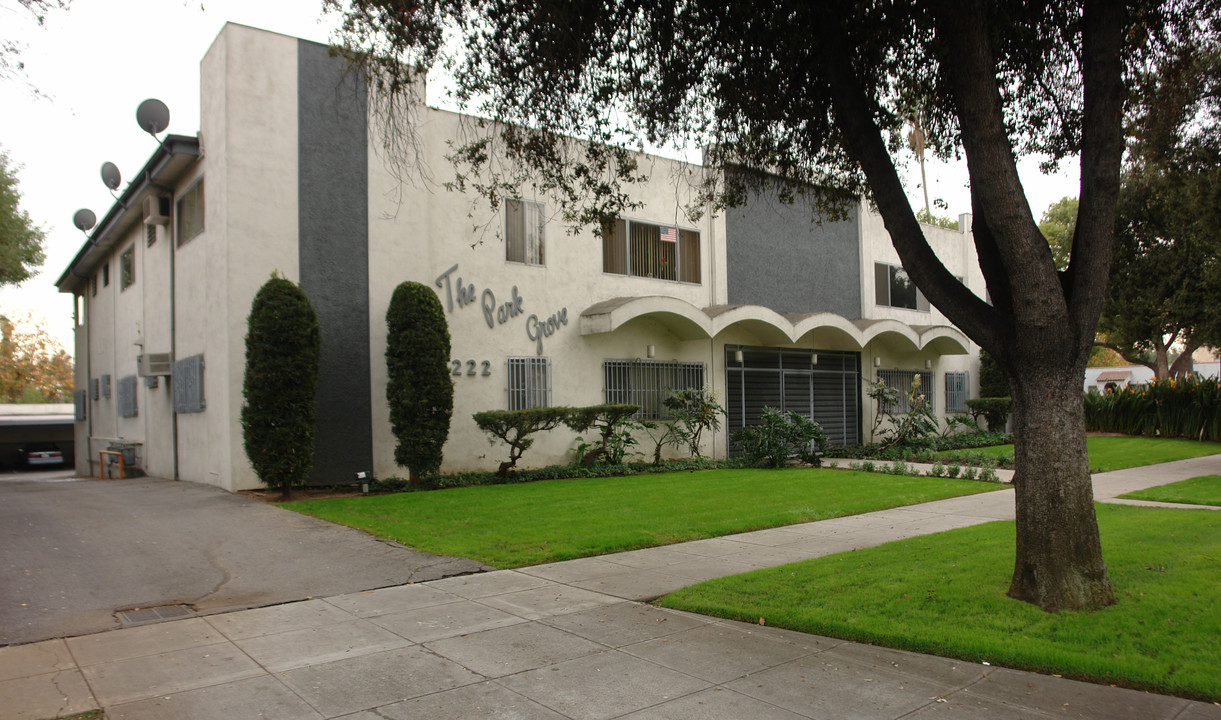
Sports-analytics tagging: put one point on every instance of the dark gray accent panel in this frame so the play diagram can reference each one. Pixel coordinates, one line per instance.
(333, 250)
(779, 256)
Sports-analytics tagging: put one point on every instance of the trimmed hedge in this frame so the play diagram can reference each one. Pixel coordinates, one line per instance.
(419, 389)
(552, 472)
(994, 410)
(280, 384)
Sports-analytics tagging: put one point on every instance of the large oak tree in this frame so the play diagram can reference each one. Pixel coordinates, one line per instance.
(816, 93)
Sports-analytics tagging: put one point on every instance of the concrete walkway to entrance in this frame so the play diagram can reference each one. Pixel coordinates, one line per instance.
(565, 640)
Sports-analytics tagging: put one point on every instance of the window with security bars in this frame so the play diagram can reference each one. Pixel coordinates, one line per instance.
(654, 251)
(187, 381)
(901, 380)
(529, 382)
(957, 385)
(647, 382)
(524, 222)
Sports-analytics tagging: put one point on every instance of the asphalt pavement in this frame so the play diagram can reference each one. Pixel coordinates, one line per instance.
(74, 552)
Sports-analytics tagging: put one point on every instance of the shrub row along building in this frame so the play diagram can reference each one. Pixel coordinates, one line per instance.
(759, 302)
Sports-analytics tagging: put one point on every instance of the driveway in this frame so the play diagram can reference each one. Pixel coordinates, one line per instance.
(73, 552)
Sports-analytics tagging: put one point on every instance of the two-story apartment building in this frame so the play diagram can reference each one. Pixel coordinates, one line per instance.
(759, 303)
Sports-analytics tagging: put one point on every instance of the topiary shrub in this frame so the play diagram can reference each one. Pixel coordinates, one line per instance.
(514, 428)
(282, 351)
(418, 389)
(992, 382)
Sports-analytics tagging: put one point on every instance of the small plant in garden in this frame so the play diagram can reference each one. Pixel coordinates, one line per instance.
(937, 470)
(779, 436)
(900, 428)
(515, 428)
(952, 470)
(609, 420)
(694, 410)
(662, 433)
(281, 380)
(968, 472)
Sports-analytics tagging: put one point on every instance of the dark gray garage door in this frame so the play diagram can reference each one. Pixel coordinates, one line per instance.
(828, 391)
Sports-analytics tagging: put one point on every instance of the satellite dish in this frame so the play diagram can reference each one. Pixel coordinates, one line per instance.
(111, 175)
(153, 116)
(84, 219)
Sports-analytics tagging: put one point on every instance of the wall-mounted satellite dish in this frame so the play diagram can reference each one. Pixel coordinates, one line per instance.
(111, 175)
(84, 220)
(153, 116)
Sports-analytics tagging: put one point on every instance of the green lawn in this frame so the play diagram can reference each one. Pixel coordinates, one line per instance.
(1117, 453)
(1203, 490)
(945, 594)
(532, 523)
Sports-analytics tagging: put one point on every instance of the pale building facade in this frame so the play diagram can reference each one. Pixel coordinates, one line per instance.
(759, 303)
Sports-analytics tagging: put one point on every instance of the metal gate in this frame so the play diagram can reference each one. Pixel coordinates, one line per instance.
(822, 385)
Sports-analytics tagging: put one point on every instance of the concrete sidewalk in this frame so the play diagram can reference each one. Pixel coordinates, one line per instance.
(565, 640)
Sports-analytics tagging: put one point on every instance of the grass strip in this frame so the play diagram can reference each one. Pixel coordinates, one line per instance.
(509, 526)
(1203, 490)
(1117, 453)
(944, 594)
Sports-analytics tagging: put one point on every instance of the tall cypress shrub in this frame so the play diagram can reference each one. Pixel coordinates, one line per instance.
(419, 390)
(282, 351)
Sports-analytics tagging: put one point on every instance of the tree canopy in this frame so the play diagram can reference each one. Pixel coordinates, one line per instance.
(20, 239)
(33, 366)
(1165, 288)
(817, 94)
(1057, 225)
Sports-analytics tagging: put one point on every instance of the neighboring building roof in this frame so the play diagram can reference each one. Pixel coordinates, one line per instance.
(1113, 376)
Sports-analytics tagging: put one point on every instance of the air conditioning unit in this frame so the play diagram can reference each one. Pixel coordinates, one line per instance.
(156, 210)
(152, 364)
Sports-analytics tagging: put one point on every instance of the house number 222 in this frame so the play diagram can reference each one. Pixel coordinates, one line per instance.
(471, 366)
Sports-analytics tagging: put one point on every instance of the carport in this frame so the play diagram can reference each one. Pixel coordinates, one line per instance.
(31, 423)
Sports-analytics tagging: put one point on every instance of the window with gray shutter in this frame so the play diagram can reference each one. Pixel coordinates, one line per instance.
(127, 396)
(188, 385)
(95, 389)
(105, 386)
(80, 403)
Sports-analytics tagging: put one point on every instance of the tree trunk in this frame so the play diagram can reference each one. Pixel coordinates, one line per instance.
(1059, 556)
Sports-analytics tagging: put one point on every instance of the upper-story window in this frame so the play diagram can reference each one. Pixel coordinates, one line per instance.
(643, 249)
(127, 268)
(524, 222)
(190, 213)
(106, 274)
(894, 288)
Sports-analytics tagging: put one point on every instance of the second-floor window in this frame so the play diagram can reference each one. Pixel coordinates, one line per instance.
(524, 221)
(190, 212)
(893, 288)
(643, 249)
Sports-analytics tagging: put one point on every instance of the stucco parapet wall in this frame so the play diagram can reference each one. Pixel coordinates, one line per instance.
(689, 322)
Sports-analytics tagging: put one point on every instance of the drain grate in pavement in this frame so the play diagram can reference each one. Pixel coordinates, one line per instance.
(137, 616)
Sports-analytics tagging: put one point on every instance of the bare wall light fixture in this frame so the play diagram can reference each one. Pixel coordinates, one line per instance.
(737, 355)
(651, 351)
(877, 361)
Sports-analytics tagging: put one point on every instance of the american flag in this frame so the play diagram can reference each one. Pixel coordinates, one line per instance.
(669, 235)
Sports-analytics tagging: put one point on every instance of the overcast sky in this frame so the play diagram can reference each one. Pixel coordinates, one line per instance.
(99, 60)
